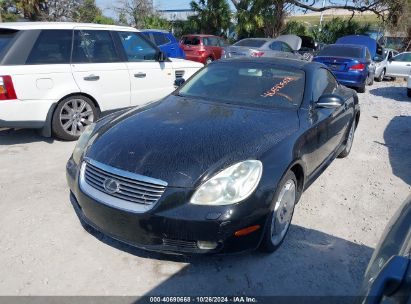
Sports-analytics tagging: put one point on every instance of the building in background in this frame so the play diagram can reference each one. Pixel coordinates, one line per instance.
(176, 14)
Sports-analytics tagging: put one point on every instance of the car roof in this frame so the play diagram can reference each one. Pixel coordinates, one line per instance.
(61, 26)
(291, 63)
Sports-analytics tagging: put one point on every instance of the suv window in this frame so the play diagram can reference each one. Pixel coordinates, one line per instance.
(325, 83)
(51, 47)
(6, 36)
(160, 38)
(403, 57)
(94, 46)
(191, 41)
(136, 47)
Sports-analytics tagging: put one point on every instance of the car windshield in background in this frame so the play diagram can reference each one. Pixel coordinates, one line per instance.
(251, 42)
(341, 51)
(6, 36)
(248, 84)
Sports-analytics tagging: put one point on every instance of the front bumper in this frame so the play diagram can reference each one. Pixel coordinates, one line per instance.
(172, 225)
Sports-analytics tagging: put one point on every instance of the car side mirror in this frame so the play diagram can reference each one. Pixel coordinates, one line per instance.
(329, 101)
(161, 56)
(179, 82)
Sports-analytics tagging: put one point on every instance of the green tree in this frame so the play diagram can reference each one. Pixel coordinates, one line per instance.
(88, 12)
(296, 28)
(336, 28)
(156, 22)
(212, 16)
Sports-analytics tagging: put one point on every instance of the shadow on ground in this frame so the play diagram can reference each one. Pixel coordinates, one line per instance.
(397, 137)
(21, 136)
(395, 93)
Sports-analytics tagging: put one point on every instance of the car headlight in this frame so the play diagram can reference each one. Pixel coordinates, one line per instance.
(83, 142)
(231, 185)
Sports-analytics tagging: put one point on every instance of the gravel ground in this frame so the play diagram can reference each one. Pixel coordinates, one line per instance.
(45, 250)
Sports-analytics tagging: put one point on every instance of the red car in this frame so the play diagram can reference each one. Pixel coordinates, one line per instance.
(202, 48)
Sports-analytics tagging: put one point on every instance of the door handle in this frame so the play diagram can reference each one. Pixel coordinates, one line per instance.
(140, 75)
(91, 78)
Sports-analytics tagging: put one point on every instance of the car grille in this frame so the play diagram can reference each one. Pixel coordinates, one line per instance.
(179, 74)
(128, 189)
(180, 244)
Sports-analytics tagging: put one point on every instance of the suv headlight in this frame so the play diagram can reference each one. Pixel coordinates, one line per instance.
(82, 143)
(231, 185)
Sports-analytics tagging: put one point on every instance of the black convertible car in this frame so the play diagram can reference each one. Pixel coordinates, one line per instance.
(218, 165)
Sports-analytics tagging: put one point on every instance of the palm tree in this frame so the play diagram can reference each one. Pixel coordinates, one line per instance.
(213, 16)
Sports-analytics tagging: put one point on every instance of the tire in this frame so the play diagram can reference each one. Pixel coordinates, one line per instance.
(381, 76)
(409, 92)
(350, 139)
(209, 60)
(72, 115)
(370, 80)
(361, 89)
(286, 193)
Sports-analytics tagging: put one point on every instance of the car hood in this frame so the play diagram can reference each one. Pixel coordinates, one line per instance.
(184, 141)
(292, 40)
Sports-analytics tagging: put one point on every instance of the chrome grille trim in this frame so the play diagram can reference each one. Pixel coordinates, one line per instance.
(135, 193)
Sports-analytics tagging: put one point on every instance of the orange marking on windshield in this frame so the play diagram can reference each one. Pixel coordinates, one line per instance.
(275, 89)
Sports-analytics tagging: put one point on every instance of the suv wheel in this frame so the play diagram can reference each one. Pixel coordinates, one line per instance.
(381, 77)
(349, 142)
(72, 115)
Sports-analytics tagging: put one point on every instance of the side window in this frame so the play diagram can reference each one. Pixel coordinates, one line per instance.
(206, 41)
(94, 46)
(160, 39)
(367, 54)
(276, 46)
(221, 42)
(213, 41)
(191, 41)
(325, 83)
(286, 48)
(136, 48)
(51, 47)
(399, 57)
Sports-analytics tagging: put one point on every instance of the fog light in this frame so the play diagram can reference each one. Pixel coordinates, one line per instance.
(206, 245)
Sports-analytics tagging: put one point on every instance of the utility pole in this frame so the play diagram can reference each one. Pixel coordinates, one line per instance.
(321, 16)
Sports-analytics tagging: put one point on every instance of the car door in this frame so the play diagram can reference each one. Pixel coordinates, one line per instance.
(97, 68)
(150, 79)
(400, 65)
(329, 125)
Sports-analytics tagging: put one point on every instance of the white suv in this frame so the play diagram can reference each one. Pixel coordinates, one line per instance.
(60, 76)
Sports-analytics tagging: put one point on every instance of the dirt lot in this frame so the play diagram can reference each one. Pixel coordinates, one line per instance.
(45, 250)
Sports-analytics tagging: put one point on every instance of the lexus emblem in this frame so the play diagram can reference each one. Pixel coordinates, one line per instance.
(111, 186)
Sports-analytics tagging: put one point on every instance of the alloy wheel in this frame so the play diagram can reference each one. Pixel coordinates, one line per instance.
(350, 138)
(283, 212)
(75, 115)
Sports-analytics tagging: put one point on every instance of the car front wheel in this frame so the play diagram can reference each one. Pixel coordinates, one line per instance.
(381, 77)
(72, 115)
(280, 218)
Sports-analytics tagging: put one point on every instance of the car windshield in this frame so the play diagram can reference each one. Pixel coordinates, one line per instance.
(6, 36)
(250, 42)
(253, 84)
(341, 51)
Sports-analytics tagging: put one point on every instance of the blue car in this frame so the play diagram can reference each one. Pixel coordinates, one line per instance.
(166, 42)
(351, 64)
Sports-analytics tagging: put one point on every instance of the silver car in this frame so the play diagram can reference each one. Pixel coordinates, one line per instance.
(400, 65)
(381, 62)
(285, 46)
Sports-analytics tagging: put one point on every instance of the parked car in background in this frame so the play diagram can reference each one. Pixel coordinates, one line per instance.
(285, 46)
(166, 42)
(388, 276)
(351, 64)
(400, 65)
(202, 48)
(381, 62)
(218, 165)
(59, 77)
(309, 47)
(373, 46)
